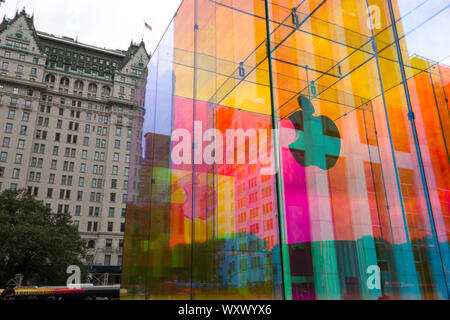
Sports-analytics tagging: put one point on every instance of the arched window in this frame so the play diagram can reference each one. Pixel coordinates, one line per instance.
(92, 87)
(79, 85)
(106, 90)
(64, 82)
(50, 78)
(91, 244)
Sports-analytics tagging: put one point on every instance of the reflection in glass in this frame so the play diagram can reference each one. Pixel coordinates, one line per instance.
(338, 128)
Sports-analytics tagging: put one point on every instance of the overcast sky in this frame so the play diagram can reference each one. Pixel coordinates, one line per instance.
(104, 23)
(114, 23)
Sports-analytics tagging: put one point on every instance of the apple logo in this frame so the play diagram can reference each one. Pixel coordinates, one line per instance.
(318, 141)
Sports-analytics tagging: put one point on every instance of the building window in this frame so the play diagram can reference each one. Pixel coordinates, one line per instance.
(8, 128)
(6, 142)
(11, 114)
(92, 88)
(21, 144)
(91, 243)
(23, 131)
(18, 159)
(107, 260)
(110, 226)
(16, 173)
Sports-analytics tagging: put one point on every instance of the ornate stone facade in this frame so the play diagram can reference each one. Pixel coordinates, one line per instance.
(67, 110)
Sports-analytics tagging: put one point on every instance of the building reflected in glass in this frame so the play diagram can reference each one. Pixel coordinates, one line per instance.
(294, 149)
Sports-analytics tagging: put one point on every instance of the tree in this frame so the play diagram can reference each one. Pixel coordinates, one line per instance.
(36, 242)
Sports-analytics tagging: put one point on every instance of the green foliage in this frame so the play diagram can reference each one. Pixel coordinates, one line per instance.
(36, 242)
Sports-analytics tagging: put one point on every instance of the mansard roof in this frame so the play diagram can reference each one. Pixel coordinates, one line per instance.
(132, 49)
(68, 51)
(30, 23)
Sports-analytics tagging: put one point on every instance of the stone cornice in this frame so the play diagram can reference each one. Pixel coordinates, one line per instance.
(23, 82)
